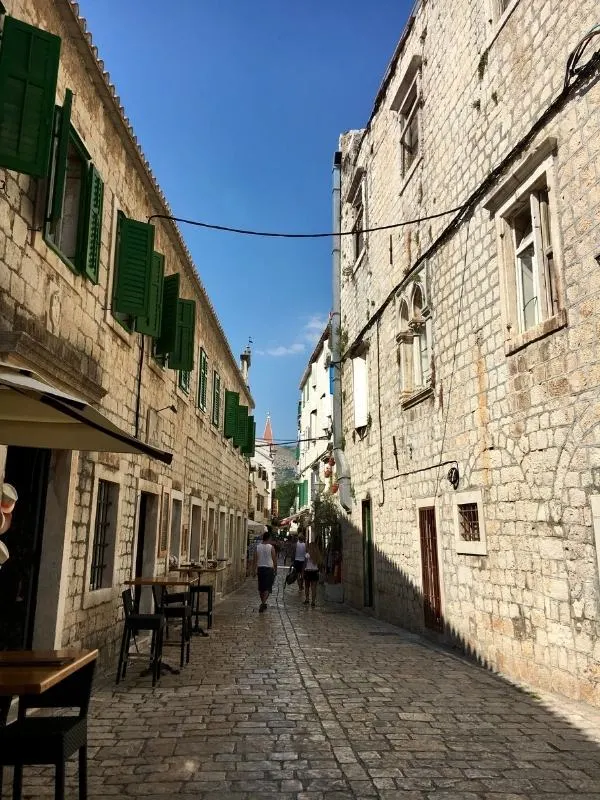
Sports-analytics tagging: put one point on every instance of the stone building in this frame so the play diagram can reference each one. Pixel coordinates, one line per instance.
(471, 372)
(100, 299)
(315, 474)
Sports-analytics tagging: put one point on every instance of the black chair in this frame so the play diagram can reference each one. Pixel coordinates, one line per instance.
(195, 591)
(47, 740)
(141, 622)
(175, 606)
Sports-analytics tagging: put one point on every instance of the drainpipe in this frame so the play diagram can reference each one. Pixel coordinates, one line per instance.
(342, 467)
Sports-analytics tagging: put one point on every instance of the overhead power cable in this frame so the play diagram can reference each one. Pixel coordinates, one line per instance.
(277, 235)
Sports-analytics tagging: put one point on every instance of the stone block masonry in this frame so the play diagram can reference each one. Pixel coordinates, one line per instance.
(471, 365)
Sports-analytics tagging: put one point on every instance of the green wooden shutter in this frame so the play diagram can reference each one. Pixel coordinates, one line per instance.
(93, 230)
(60, 159)
(135, 246)
(150, 325)
(203, 379)
(216, 413)
(232, 400)
(168, 322)
(241, 430)
(182, 355)
(248, 448)
(28, 74)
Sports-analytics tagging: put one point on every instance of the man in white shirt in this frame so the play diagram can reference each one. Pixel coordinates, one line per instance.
(265, 566)
(300, 560)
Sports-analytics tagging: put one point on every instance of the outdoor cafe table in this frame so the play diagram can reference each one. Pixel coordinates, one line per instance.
(198, 570)
(26, 672)
(164, 581)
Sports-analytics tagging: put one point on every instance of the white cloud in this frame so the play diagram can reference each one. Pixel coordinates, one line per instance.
(314, 328)
(281, 350)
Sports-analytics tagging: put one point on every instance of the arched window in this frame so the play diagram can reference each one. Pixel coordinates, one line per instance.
(414, 341)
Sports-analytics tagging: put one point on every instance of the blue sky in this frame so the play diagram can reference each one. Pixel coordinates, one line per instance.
(238, 106)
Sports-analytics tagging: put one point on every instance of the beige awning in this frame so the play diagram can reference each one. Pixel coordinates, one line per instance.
(35, 414)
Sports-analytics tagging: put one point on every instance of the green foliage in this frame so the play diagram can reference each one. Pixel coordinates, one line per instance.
(286, 495)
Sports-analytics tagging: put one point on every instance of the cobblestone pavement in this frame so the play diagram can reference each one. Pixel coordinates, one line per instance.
(324, 703)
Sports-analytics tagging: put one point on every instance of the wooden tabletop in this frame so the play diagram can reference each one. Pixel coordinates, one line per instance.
(163, 580)
(35, 671)
(187, 568)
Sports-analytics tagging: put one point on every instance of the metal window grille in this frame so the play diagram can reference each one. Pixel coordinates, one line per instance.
(468, 519)
(102, 533)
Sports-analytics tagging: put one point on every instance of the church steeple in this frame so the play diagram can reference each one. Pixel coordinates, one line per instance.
(268, 434)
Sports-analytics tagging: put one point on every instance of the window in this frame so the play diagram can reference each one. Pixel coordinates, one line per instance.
(313, 426)
(414, 342)
(528, 248)
(260, 503)
(133, 276)
(500, 7)
(184, 379)
(216, 399)
(530, 240)
(407, 104)
(358, 226)
(469, 523)
(409, 128)
(360, 391)
(73, 225)
(105, 528)
(202, 380)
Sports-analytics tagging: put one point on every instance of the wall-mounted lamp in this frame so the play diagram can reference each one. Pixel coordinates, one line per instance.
(170, 408)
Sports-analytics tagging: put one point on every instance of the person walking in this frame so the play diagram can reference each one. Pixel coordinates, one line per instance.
(265, 567)
(300, 559)
(314, 562)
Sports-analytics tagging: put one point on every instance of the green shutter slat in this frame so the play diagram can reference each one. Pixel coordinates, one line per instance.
(134, 265)
(168, 323)
(248, 447)
(232, 400)
(93, 232)
(216, 415)
(204, 381)
(241, 429)
(150, 324)
(28, 74)
(60, 162)
(182, 355)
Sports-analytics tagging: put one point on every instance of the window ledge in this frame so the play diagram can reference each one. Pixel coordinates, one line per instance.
(155, 367)
(99, 596)
(359, 260)
(182, 395)
(498, 24)
(119, 330)
(416, 397)
(407, 178)
(545, 328)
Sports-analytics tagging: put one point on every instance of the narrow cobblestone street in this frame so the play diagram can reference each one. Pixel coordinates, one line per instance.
(324, 703)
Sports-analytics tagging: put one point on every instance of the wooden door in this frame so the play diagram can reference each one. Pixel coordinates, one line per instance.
(432, 600)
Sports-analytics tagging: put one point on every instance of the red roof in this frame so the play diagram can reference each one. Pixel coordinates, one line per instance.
(268, 434)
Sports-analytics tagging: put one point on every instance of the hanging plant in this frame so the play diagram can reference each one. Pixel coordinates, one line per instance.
(327, 472)
(334, 488)
(331, 461)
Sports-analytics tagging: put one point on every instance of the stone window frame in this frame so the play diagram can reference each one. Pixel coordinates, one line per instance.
(358, 200)
(536, 172)
(595, 506)
(465, 547)
(414, 339)
(360, 390)
(408, 103)
(196, 502)
(498, 17)
(177, 496)
(95, 597)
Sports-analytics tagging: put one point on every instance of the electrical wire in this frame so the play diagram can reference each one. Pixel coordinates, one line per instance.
(572, 69)
(277, 235)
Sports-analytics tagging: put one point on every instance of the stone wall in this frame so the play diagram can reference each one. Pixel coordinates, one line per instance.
(85, 350)
(518, 414)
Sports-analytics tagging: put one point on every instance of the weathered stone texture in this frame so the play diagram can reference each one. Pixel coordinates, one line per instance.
(70, 316)
(523, 426)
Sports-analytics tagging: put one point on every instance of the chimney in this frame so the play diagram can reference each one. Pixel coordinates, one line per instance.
(245, 361)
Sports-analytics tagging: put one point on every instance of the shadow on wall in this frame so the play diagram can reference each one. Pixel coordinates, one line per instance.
(395, 598)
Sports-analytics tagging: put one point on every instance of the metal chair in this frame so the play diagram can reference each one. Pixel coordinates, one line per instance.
(171, 607)
(195, 591)
(140, 622)
(43, 740)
